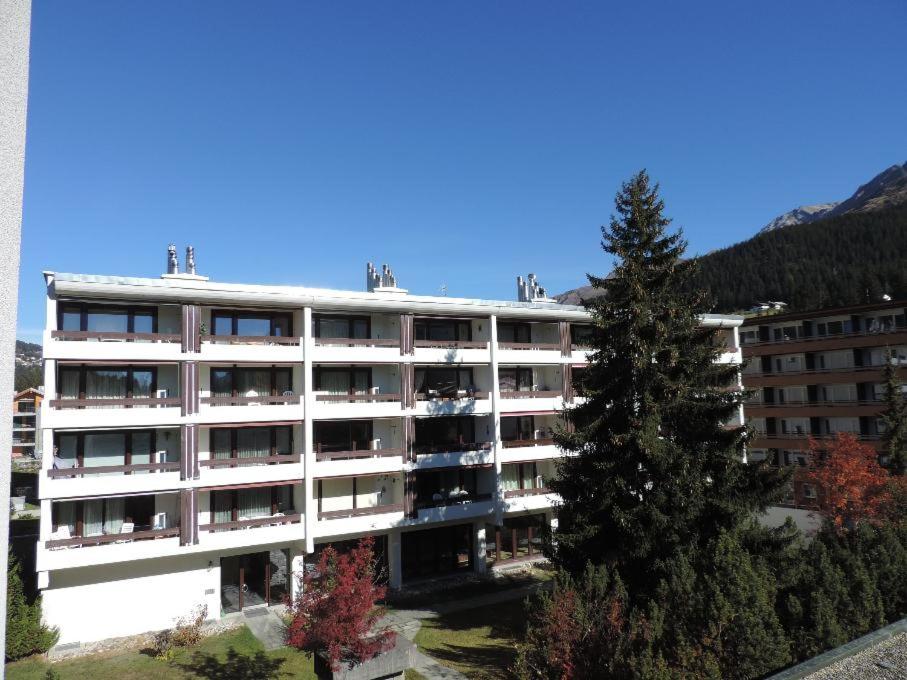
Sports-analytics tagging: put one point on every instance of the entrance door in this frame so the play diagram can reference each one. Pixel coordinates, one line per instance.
(245, 580)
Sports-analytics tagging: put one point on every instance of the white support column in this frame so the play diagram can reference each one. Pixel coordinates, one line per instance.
(297, 569)
(497, 447)
(395, 559)
(308, 452)
(480, 566)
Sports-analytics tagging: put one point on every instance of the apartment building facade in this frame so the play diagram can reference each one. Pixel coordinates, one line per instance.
(26, 422)
(209, 439)
(815, 374)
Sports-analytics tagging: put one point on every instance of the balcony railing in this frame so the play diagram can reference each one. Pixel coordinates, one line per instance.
(451, 344)
(433, 395)
(112, 336)
(827, 336)
(519, 493)
(539, 346)
(124, 402)
(816, 371)
(251, 339)
(251, 401)
(59, 473)
(529, 394)
(106, 539)
(807, 402)
(446, 501)
(454, 447)
(520, 443)
(357, 342)
(321, 455)
(272, 520)
(249, 460)
(360, 512)
(357, 398)
(759, 434)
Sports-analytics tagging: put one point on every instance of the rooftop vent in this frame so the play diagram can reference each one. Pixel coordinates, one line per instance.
(530, 290)
(381, 282)
(173, 265)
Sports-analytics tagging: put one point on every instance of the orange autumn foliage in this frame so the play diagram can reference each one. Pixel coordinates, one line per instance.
(852, 486)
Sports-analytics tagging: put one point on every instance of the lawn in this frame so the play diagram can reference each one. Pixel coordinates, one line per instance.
(480, 643)
(236, 654)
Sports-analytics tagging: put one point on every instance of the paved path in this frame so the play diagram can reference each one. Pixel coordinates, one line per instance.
(267, 626)
(407, 623)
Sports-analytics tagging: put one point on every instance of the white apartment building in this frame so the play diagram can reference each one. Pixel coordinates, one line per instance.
(209, 438)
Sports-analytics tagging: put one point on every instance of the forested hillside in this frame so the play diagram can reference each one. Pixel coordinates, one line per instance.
(853, 258)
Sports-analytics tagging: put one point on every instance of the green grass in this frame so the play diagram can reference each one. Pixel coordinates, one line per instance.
(234, 654)
(480, 643)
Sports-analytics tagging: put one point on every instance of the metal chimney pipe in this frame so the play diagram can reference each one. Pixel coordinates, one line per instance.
(190, 260)
(173, 264)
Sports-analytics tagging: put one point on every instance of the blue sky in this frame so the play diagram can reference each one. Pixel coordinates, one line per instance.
(463, 143)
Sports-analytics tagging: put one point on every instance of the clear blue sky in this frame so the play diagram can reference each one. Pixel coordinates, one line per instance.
(463, 143)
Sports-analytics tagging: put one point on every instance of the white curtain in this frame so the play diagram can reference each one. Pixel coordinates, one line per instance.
(221, 443)
(69, 384)
(105, 384)
(67, 451)
(334, 328)
(105, 449)
(253, 443)
(141, 449)
(93, 518)
(66, 516)
(254, 383)
(335, 382)
(511, 477)
(223, 507)
(115, 512)
(255, 503)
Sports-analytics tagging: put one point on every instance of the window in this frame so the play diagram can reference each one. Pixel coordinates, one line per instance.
(348, 327)
(515, 379)
(236, 505)
(254, 324)
(251, 382)
(73, 316)
(512, 331)
(251, 442)
(521, 476)
(339, 435)
(102, 516)
(582, 335)
(343, 380)
(92, 382)
(518, 428)
(443, 329)
(443, 382)
(441, 487)
(440, 432)
(107, 448)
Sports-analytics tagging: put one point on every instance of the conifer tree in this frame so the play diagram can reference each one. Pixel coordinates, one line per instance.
(895, 419)
(25, 633)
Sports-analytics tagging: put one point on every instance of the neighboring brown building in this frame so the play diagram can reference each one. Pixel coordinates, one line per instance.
(815, 374)
(26, 408)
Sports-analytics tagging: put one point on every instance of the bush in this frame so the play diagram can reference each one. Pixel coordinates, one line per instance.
(25, 633)
(186, 633)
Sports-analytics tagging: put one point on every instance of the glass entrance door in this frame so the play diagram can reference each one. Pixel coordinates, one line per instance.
(253, 579)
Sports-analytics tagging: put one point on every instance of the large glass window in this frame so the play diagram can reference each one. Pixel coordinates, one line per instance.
(74, 316)
(514, 332)
(107, 383)
(251, 442)
(442, 329)
(444, 382)
(343, 435)
(251, 382)
(101, 449)
(515, 379)
(104, 516)
(252, 324)
(582, 335)
(439, 432)
(436, 551)
(343, 380)
(348, 327)
(517, 428)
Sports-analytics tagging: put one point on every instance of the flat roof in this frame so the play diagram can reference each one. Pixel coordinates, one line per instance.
(763, 319)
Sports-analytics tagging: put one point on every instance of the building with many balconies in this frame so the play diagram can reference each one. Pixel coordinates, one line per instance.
(814, 374)
(27, 422)
(209, 439)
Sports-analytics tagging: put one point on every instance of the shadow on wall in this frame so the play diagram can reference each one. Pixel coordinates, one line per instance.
(235, 667)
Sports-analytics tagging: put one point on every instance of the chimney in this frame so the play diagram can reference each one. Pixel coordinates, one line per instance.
(190, 261)
(530, 290)
(173, 264)
(384, 281)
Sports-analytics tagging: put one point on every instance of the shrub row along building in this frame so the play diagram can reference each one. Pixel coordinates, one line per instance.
(209, 439)
(815, 374)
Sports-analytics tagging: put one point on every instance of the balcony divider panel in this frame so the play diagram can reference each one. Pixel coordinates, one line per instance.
(409, 439)
(191, 328)
(188, 529)
(189, 387)
(563, 328)
(189, 452)
(407, 386)
(567, 383)
(409, 494)
(406, 334)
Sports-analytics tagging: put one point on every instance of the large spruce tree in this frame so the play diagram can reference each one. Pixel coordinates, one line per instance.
(895, 419)
(657, 489)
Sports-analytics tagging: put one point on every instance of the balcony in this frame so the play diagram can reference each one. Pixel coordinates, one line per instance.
(828, 341)
(359, 503)
(277, 519)
(807, 409)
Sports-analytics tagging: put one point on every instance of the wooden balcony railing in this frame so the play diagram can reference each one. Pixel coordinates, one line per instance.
(461, 447)
(461, 394)
(125, 402)
(250, 460)
(273, 520)
(529, 394)
(356, 453)
(520, 443)
(581, 348)
(357, 398)
(105, 539)
(111, 336)
(58, 473)
(518, 493)
(360, 512)
(251, 339)
(759, 434)
(818, 402)
(539, 346)
(357, 342)
(249, 401)
(828, 336)
(451, 344)
(423, 504)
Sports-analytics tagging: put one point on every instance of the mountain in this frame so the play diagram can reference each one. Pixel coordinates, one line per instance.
(886, 189)
(814, 256)
(29, 365)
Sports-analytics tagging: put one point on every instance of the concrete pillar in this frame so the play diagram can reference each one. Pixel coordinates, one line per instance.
(297, 569)
(308, 451)
(395, 559)
(480, 566)
(497, 447)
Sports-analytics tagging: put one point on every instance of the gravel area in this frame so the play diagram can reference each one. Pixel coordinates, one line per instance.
(884, 661)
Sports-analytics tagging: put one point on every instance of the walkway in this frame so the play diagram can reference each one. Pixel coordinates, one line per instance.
(267, 626)
(407, 623)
